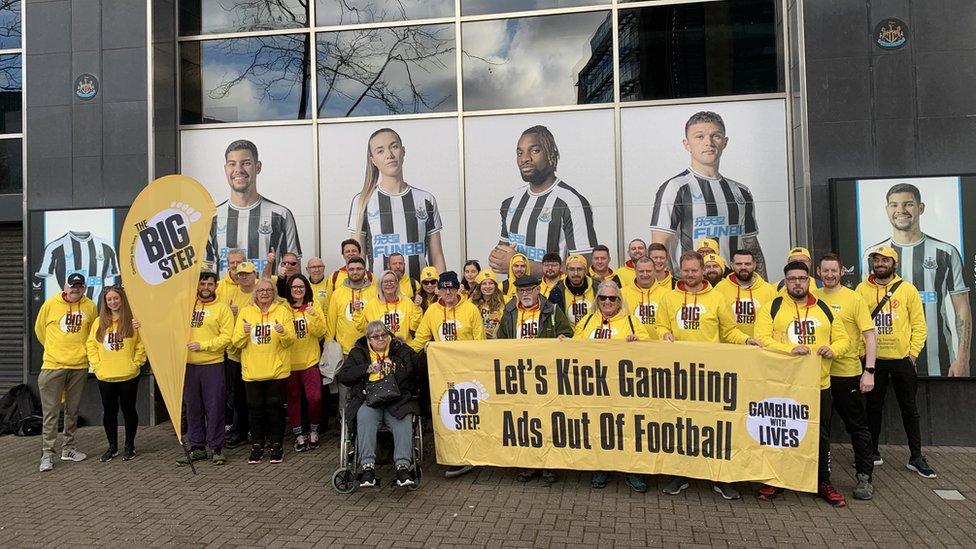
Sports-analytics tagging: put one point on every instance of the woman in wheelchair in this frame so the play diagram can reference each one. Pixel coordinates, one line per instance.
(381, 371)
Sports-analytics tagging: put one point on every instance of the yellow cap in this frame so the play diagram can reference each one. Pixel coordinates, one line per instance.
(246, 267)
(709, 243)
(484, 275)
(799, 250)
(576, 257)
(714, 258)
(886, 251)
(429, 273)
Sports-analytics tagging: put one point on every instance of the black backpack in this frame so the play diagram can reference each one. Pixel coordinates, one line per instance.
(20, 412)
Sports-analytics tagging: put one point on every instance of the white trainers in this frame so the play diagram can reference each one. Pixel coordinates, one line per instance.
(71, 454)
(47, 462)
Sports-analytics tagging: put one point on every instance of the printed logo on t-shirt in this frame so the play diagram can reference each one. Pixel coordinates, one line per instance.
(261, 334)
(71, 323)
(113, 342)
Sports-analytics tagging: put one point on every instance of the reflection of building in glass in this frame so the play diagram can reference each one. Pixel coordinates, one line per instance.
(595, 83)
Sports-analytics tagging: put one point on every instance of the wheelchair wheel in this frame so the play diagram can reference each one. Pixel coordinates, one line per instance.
(344, 481)
(417, 476)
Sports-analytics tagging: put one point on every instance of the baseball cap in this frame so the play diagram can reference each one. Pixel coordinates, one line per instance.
(76, 279)
(526, 281)
(448, 279)
(428, 273)
(484, 275)
(246, 267)
(886, 251)
(799, 250)
(709, 243)
(715, 258)
(576, 257)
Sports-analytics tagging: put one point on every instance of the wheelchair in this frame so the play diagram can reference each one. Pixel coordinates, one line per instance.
(344, 479)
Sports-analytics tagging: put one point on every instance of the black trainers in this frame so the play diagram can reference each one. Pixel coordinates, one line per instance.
(404, 476)
(233, 441)
(257, 452)
(196, 454)
(277, 454)
(367, 478)
(129, 453)
(920, 466)
(108, 455)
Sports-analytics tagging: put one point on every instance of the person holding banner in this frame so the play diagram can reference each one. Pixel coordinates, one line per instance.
(745, 290)
(802, 325)
(627, 270)
(204, 385)
(489, 300)
(643, 295)
(397, 312)
(693, 311)
(304, 379)
(62, 327)
(374, 357)
(116, 355)
(576, 293)
(264, 332)
(612, 321)
(899, 319)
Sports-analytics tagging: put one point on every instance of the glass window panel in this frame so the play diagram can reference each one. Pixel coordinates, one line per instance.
(538, 61)
(696, 50)
(354, 12)
(11, 167)
(220, 16)
(245, 79)
(399, 70)
(9, 24)
(11, 95)
(480, 7)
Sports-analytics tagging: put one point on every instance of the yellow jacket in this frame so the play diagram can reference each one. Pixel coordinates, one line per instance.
(62, 328)
(745, 302)
(644, 303)
(901, 323)
(115, 358)
(626, 273)
(621, 325)
(785, 325)
(341, 323)
(402, 318)
(210, 326)
(697, 316)
(462, 322)
(507, 287)
(264, 352)
(309, 328)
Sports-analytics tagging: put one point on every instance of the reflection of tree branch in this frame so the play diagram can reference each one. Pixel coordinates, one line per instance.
(9, 19)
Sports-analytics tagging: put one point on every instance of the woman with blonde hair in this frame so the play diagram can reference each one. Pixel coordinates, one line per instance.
(116, 354)
(489, 299)
(403, 216)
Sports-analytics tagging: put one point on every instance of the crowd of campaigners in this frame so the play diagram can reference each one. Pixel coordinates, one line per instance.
(257, 355)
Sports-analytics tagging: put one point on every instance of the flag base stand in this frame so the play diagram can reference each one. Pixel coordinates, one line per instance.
(186, 451)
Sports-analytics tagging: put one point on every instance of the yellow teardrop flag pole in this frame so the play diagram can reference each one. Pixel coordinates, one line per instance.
(163, 246)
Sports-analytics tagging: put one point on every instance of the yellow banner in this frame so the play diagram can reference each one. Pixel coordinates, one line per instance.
(163, 245)
(720, 412)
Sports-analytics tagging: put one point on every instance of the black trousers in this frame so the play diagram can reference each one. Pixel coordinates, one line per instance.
(236, 398)
(900, 374)
(119, 395)
(266, 410)
(823, 456)
(849, 405)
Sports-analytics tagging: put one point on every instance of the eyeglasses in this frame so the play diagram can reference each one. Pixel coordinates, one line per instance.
(797, 278)
(289, 263)
(264, 290)
(528, 290)
(608, 298)
(390, 282)
(429, 282)
(378, 337)
(310, 267)
(302, 288)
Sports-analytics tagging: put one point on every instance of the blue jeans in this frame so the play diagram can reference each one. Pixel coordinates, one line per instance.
(368, 421)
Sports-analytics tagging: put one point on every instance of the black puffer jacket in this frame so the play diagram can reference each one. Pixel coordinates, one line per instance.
(353, 375)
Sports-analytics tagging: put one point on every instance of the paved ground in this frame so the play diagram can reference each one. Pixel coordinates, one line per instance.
(149, 502)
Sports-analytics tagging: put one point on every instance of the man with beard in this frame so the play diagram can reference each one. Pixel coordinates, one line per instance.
(398, 264)
(899, 321)
(714, 268)
(745, 291)
(802, 325)
(662, 265)
(348, 301)
(801, 254)
(636, 249)
(547, 215)
(644, 294)
(575, 294)
(552, 273)
(350, 248)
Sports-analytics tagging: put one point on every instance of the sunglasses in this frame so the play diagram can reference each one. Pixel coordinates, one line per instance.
(608, 298)
(289, 263)
(429, 282)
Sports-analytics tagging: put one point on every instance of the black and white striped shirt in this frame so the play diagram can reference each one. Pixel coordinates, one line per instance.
(401, 223)
(692, 206)
(255, 229)
(935, 268)
(80, 252)
(558, 219)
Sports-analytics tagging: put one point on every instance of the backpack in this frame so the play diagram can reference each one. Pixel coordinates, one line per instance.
(20, 412)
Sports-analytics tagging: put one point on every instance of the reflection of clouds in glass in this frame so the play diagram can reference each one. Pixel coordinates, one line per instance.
(526, 62)
(255, 78)
(10, 77)
(402, 70)
(242, 15)
(9, 24)
(351, 12)
(479, 7)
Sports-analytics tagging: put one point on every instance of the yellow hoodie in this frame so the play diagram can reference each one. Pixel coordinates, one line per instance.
(626, 273)
(62, 328)
(309, 327)
(508, 286)
(621, 325)
(264, 352)
(697, 316)
(402, 318)
(235, 297)
(785, 325)
(462, 322)
(320, 291)
(901, 323)
(115, 358)
(340, 319)
(225, 286)
(744, 303)
(210, 326)
(644, 303)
